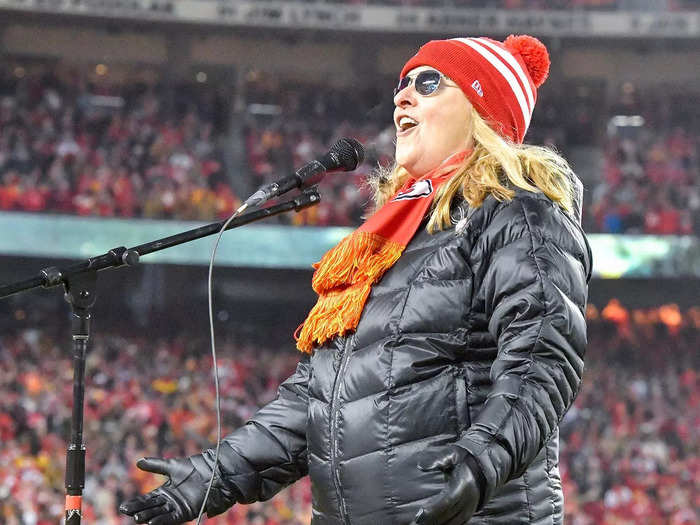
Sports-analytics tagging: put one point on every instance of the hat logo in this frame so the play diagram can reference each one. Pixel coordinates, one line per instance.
(476, 86)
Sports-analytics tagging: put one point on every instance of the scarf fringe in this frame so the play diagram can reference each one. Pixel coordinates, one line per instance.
(334, 314)
(360, 256)
(343, 279)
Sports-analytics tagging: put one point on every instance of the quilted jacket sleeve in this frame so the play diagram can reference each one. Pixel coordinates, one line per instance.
(533, 265)
(268, 453)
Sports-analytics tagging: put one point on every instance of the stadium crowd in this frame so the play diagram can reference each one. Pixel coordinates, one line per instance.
(629, 447)
(71, 145)
(651, 173)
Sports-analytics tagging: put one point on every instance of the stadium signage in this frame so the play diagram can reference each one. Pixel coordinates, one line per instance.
(381, 18)
(299, 15)
(127, 8)
(498, 21)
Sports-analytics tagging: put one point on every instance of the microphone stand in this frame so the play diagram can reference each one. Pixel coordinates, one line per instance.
(80, 283)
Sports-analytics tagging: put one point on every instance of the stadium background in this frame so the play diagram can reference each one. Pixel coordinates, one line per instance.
(124, 121)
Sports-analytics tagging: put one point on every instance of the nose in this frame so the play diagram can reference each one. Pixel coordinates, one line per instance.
(406, 97)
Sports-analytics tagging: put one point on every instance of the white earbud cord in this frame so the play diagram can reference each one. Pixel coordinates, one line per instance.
(213, 354)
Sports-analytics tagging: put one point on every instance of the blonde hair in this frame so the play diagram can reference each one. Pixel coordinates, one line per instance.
(495, 166)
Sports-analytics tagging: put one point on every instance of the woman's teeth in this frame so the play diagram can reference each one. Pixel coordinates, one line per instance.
(406, 123)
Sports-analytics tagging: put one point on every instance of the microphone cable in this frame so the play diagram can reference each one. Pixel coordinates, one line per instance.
(213, 355)
(345, 154)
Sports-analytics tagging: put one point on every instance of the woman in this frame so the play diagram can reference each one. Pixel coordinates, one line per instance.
(448, 338)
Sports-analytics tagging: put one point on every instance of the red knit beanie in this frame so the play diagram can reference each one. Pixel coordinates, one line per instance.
(500, 79)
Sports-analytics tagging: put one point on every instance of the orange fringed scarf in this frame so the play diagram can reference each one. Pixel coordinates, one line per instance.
(345, 274)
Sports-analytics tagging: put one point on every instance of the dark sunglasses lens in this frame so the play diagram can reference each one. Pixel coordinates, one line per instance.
(427, 82)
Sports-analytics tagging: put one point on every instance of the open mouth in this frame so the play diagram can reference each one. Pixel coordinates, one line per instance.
(406, 124)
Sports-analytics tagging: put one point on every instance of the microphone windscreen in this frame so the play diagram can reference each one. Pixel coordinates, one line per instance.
(346, 154)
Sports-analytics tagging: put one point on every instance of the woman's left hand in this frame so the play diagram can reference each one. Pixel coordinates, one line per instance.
(456, 503)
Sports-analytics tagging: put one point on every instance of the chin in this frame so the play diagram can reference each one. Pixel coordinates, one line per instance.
(406, 162)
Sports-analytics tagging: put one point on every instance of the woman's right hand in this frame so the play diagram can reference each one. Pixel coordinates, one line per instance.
(178, 500)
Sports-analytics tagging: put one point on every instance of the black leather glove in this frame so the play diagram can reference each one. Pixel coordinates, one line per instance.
(179, 499)
(456, 503)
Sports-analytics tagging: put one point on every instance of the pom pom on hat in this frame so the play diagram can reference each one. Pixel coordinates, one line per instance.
(534, 54)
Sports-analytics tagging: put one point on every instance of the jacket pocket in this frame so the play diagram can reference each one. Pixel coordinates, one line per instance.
(461, 401)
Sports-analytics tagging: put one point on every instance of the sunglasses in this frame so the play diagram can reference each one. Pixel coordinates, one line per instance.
(426, 82)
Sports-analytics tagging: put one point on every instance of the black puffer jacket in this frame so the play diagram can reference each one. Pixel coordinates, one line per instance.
(476, 335)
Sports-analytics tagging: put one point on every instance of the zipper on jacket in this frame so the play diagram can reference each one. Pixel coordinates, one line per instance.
(345, 350)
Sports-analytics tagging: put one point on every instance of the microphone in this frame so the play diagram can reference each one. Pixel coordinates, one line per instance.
(345, 155)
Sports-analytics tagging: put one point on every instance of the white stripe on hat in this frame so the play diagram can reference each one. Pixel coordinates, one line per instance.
(508, 57)
(505, 72)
